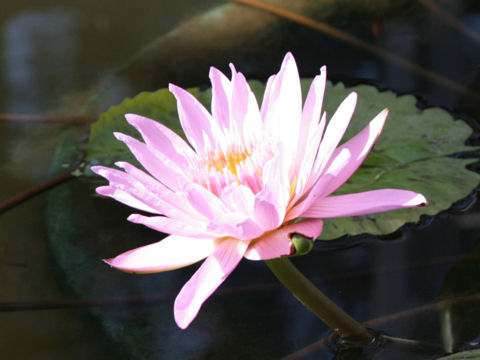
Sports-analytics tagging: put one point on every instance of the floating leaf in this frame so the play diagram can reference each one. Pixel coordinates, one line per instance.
(105, 149)
(464, 355)
(414, 151)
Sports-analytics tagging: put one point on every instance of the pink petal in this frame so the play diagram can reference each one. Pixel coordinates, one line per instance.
(267, 98)
(285, 105)
(174, 204)
(138, 190)
(221, 90)
(333, 134)
(311, 114)
(239, 198)
(162, 139)
(358, 147)
(193, 229)
(363, 203)
(278, 242)
(244, 111)
(171, 253)
(312, 109)
(126, 190)
(236, 225)
(271, 202)
(156, 163)
(239, 99)
(204, 201)
(269, 209)
(211, 274)
(195, 119)
(305, 174)
(344, 162)
(125, 198)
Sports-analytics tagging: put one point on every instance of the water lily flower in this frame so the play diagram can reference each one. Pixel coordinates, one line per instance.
(238, 188)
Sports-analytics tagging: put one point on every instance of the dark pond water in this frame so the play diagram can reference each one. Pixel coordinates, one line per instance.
(52, 56)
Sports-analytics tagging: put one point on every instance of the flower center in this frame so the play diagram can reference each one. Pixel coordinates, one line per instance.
(227, 161)
(237, 164)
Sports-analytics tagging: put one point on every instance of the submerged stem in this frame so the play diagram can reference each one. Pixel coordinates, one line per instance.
(324, 308)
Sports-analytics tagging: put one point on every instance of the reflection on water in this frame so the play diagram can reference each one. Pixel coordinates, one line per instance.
(47, 52)
(39, 51)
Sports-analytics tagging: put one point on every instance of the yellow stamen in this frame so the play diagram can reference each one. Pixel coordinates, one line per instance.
(221, 161)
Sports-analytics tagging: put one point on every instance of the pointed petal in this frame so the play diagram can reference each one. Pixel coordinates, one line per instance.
(162, 139)
(204, 201)
(174, 204)
(285, 105)
(358, 148)
(239, 198)
(312, 109)
(140, 191)
(271, 202)
(193, 229)
(211, 274)
(363, 203)
(195, 119)
(221, 90)
(267, 98)
(278, 242)
(173, 252)
(125, 198)
(305, 175)
(244, 111)
(126, 190)
(336, 128)
(344, 162)
(236, 225)
(156, 163)
(269, 210)
(311, 114)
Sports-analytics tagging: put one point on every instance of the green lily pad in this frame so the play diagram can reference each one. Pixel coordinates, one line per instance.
(464, 355)
(105, 149)
(413, 152)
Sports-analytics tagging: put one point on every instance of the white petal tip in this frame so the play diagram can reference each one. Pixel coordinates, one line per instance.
(352, 96)
(133, 218)
(119, 136)
(183, 314)
(289, 56)
(232, 69)
(382, 115)
(96, 169)
(173, 88)
(120, 164)
(108, 262)
(214, 71)
(135, 119)
(104, 190)
(181, 319)
(419, 201)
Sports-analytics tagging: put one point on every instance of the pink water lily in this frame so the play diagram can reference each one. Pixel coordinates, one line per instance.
(247, 176)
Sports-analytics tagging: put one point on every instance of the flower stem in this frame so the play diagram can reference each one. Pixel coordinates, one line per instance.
(324, 308)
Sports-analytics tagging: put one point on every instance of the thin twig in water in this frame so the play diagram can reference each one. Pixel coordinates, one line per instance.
(83, 303)
(451, 20)
(35, 190)
(46, 119)
(361, 44)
